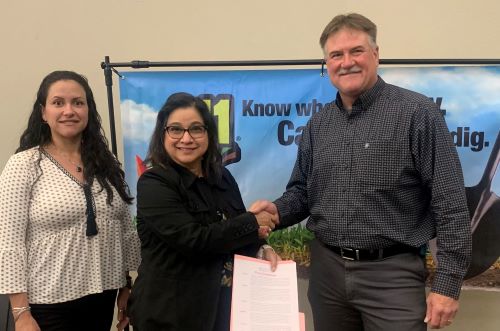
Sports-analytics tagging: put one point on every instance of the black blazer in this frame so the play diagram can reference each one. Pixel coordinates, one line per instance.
(184, 244)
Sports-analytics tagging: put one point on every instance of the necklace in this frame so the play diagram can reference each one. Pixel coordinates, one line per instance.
(79, 167)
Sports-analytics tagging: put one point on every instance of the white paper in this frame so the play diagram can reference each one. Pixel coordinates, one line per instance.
(264, 300)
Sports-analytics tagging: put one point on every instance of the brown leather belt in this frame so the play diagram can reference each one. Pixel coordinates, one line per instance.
(353, 254)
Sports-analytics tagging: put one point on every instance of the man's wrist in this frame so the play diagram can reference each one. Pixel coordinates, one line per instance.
(446, 285)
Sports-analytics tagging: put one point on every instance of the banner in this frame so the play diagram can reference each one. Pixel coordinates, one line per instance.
(261, 115)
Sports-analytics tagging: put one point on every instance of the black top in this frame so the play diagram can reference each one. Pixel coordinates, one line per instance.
(384, 174)
(188, 227)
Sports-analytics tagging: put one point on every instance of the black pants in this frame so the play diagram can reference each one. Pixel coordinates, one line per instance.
(91, 313)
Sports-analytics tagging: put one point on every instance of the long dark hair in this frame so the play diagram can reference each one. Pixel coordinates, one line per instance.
(212, 160)
(98, 161)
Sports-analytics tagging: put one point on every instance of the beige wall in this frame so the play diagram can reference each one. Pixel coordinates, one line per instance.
(37, 37)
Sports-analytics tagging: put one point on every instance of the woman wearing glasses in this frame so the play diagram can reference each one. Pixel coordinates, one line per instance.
(191, 220)
(67, 240)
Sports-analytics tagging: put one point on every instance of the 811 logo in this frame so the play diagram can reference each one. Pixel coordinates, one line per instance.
(222, 108)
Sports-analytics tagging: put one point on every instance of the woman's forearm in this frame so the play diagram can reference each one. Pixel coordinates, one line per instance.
(19, 300)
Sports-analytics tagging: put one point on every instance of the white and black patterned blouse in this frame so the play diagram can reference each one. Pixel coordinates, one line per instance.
(44, 249)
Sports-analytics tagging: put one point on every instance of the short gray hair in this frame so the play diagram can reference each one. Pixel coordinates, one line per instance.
(352, 21)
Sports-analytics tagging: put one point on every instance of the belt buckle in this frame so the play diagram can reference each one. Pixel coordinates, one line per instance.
(356, 251)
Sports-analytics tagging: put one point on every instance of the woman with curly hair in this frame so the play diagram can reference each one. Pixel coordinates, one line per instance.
(67, 240)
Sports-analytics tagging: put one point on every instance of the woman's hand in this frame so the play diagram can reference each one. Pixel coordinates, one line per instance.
(267, 253)
(266, 222)
(121, 304)
(264, 232)
(26, 322)
(263, 210)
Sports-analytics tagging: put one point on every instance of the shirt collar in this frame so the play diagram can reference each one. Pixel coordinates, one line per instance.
(365, 100)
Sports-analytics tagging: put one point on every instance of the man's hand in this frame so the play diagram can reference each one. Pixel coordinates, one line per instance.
(267, 206)
(441, 310)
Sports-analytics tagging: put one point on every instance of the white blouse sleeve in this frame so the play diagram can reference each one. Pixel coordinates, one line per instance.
(132, 244)
(15, 188)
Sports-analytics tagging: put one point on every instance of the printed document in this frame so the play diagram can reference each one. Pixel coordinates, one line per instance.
(264, 300)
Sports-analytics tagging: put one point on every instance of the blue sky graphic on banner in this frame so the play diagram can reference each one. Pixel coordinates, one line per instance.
(263, 112)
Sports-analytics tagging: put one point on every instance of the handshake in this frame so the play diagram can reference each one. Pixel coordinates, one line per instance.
(267, 216)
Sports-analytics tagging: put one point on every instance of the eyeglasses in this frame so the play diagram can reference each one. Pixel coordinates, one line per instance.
(177, 132)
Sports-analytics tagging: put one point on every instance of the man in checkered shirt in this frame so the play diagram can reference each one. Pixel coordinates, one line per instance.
(378, 176)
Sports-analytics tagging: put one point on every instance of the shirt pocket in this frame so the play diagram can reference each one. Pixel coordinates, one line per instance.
(199, 210)
(378, 163)
(231, 206)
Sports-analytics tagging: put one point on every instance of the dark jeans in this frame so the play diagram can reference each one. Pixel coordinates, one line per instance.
(92, 312)
(381, 295)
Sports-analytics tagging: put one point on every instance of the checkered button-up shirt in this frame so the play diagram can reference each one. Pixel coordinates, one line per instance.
(382, 174)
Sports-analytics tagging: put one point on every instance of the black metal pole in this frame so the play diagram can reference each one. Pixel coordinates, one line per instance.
(137, 64)
(108, 77)
(109, 87)
(440, 61)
